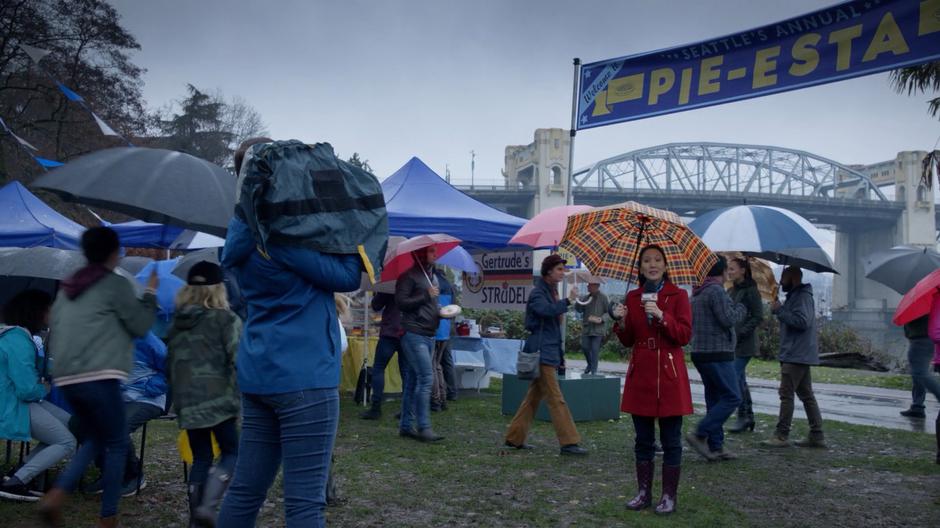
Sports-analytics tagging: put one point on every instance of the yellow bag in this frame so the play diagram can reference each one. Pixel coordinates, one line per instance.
(186, 452)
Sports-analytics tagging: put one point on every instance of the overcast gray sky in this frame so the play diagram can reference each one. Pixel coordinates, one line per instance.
(438, 78)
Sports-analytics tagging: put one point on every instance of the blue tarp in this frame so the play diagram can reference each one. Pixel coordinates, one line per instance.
(420, 202)
(27, 221)
(166, 293)
(139, 234)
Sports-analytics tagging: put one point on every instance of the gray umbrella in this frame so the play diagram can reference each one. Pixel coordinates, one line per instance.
(134, 264)
(191, 259)
(51, 263)
(153, 185)
(40, 262)
(901, 267)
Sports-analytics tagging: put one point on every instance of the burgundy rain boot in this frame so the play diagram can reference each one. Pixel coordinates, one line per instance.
(667, 504)
(644, 481)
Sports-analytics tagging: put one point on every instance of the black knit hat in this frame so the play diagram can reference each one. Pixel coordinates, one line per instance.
(550, 262)
(204, 273)
(719, 268)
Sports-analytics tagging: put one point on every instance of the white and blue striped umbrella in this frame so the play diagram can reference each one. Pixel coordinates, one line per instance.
(770, 233)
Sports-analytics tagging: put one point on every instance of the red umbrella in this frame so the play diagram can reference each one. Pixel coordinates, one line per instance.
(546, 229)
(401, 259)
(917, 302)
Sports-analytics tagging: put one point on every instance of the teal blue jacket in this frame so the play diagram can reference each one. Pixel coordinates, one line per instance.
(19, 382)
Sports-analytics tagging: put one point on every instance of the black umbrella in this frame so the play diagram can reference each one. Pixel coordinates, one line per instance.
(153, 185)
(901, 267)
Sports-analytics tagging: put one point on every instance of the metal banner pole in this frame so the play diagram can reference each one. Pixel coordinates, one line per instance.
(573, 131)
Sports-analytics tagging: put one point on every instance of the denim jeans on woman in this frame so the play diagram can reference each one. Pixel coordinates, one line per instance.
(740, 368)
(416, 395)
(296, 430)
(200, 441)
(920, 357)
(99, 405)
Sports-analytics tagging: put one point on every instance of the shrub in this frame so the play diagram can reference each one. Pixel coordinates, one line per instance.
(768, 336)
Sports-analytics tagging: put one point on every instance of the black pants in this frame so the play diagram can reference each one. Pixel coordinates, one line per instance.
(670, 435)
(450, 373)
(200, 441)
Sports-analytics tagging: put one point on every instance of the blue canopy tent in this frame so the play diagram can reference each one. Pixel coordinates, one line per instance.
(28, 222)
(420, 202)
(139, 234)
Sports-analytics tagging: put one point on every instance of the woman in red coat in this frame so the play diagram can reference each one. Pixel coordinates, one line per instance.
(657, 384)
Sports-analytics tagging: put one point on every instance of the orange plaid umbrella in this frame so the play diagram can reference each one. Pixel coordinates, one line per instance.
(608, 241)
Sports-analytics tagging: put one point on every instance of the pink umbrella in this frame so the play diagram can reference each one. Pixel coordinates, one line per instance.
(401, 259)
(546, 229)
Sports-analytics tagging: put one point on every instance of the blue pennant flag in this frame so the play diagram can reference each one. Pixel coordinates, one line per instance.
(48, 163)
(69, 93)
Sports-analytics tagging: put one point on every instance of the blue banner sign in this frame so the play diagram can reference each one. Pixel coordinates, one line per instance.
(839, 42)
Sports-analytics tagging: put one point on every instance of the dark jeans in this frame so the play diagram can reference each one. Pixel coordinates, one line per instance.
(670, 435)
(796, 378)
(920, 356)
(416, 395)
(99, 405)
(384, 350)
(137, 414)
(591, 346)
(200, 441)
(721, 399)
(746, 408)
(450, 373)
(296, 430)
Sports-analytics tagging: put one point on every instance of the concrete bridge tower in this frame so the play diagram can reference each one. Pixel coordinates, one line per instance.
(864, 304)
(540, 167)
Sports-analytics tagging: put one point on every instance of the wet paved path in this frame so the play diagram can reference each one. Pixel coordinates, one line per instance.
(844, 403)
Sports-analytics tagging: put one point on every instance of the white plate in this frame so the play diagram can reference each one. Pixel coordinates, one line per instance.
(450, 311)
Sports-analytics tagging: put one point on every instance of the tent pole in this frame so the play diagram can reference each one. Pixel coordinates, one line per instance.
(573, 132)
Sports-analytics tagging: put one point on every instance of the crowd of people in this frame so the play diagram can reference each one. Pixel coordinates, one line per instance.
(657, 320)
(263, 384)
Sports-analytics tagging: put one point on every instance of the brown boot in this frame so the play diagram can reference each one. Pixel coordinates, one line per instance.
(50, 507)
(108, 522)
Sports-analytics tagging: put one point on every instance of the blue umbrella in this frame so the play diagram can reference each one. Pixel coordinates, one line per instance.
(460, 259)
(770, 233)
(166, 292)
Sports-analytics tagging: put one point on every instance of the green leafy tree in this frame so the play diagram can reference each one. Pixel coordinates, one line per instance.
(359, 162)
(197, 128)
(90, 55)
(922, 78)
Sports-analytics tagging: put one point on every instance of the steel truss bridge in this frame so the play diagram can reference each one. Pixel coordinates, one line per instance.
(693, 178)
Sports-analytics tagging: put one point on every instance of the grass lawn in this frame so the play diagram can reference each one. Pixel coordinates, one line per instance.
(760, 368)
(766, 369)
(869, 477)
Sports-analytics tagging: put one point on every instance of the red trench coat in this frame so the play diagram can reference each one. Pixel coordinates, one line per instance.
(657, 380)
